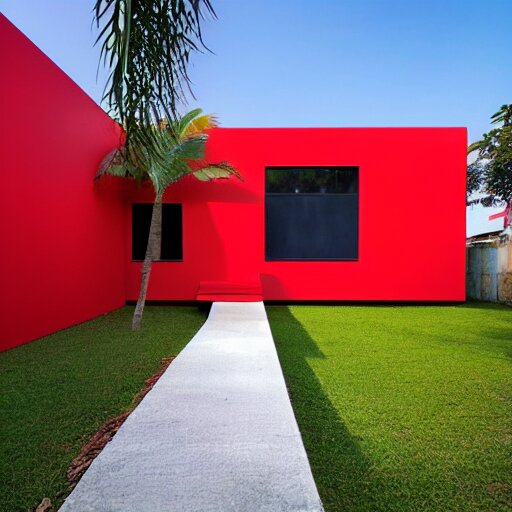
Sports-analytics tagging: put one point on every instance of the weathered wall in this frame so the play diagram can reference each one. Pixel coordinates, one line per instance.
(489, 271)
(61, 234)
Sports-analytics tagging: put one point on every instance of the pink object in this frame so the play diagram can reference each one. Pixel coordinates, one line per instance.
(505, 214)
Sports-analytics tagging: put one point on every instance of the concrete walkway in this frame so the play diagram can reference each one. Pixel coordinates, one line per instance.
(216, 433)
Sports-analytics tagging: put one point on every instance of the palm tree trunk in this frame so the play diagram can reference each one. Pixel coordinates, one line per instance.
(157, 234)
(152, 253)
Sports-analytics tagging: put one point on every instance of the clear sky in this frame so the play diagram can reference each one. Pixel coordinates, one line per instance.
(323, 62)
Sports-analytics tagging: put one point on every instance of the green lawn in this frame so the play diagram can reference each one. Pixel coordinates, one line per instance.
(402, 408)
(57, 391)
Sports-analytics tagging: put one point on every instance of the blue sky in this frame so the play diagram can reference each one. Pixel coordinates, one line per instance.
(322, 63)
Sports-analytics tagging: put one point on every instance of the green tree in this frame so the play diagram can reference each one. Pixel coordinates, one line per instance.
(491, 172)
(146, 44)
(182, 145)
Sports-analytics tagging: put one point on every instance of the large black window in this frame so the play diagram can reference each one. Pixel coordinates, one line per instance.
(311, 213)
(172, 231)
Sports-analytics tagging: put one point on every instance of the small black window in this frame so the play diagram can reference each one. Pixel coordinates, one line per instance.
(311, 213)
(172, 231)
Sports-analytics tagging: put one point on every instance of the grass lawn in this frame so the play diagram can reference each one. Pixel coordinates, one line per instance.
(57, 391)
(402, 408)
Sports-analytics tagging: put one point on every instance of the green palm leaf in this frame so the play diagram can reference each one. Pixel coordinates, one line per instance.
(216, 171)
(176, 157)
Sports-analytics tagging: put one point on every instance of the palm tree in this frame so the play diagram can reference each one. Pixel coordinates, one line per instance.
(181, 152)
(147, 44)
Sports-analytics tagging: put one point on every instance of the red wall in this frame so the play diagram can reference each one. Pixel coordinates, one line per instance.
(61, 235)
(411, 218)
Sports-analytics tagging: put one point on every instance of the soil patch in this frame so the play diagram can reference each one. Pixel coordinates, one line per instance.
(107, 431)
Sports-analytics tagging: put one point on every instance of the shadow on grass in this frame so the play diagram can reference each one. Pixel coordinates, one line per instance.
(341, 471)
(477, 304)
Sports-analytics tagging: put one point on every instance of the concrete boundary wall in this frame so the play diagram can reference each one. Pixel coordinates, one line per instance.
(489, 270)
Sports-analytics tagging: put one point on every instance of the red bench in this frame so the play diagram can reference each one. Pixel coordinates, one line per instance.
(227, 291)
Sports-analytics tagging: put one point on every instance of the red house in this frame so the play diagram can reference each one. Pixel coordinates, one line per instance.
(323, 214)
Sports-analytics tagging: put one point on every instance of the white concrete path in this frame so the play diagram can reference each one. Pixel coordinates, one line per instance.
(216, 433)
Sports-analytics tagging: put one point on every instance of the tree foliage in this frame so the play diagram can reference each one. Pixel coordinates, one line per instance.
(491, 172)
(147, 45)
(182, 147)
(182, 144)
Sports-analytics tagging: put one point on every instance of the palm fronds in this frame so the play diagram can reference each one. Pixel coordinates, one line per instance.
(181, 151)
(215, 171)
(147, 46)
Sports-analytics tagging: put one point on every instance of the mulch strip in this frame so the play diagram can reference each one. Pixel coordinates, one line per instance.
(98, 441)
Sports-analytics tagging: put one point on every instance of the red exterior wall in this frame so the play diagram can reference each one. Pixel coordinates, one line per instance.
(411, 217)
(61, 235)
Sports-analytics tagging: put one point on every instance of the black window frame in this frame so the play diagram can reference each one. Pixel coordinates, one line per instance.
(166, 260)
(357, 168)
